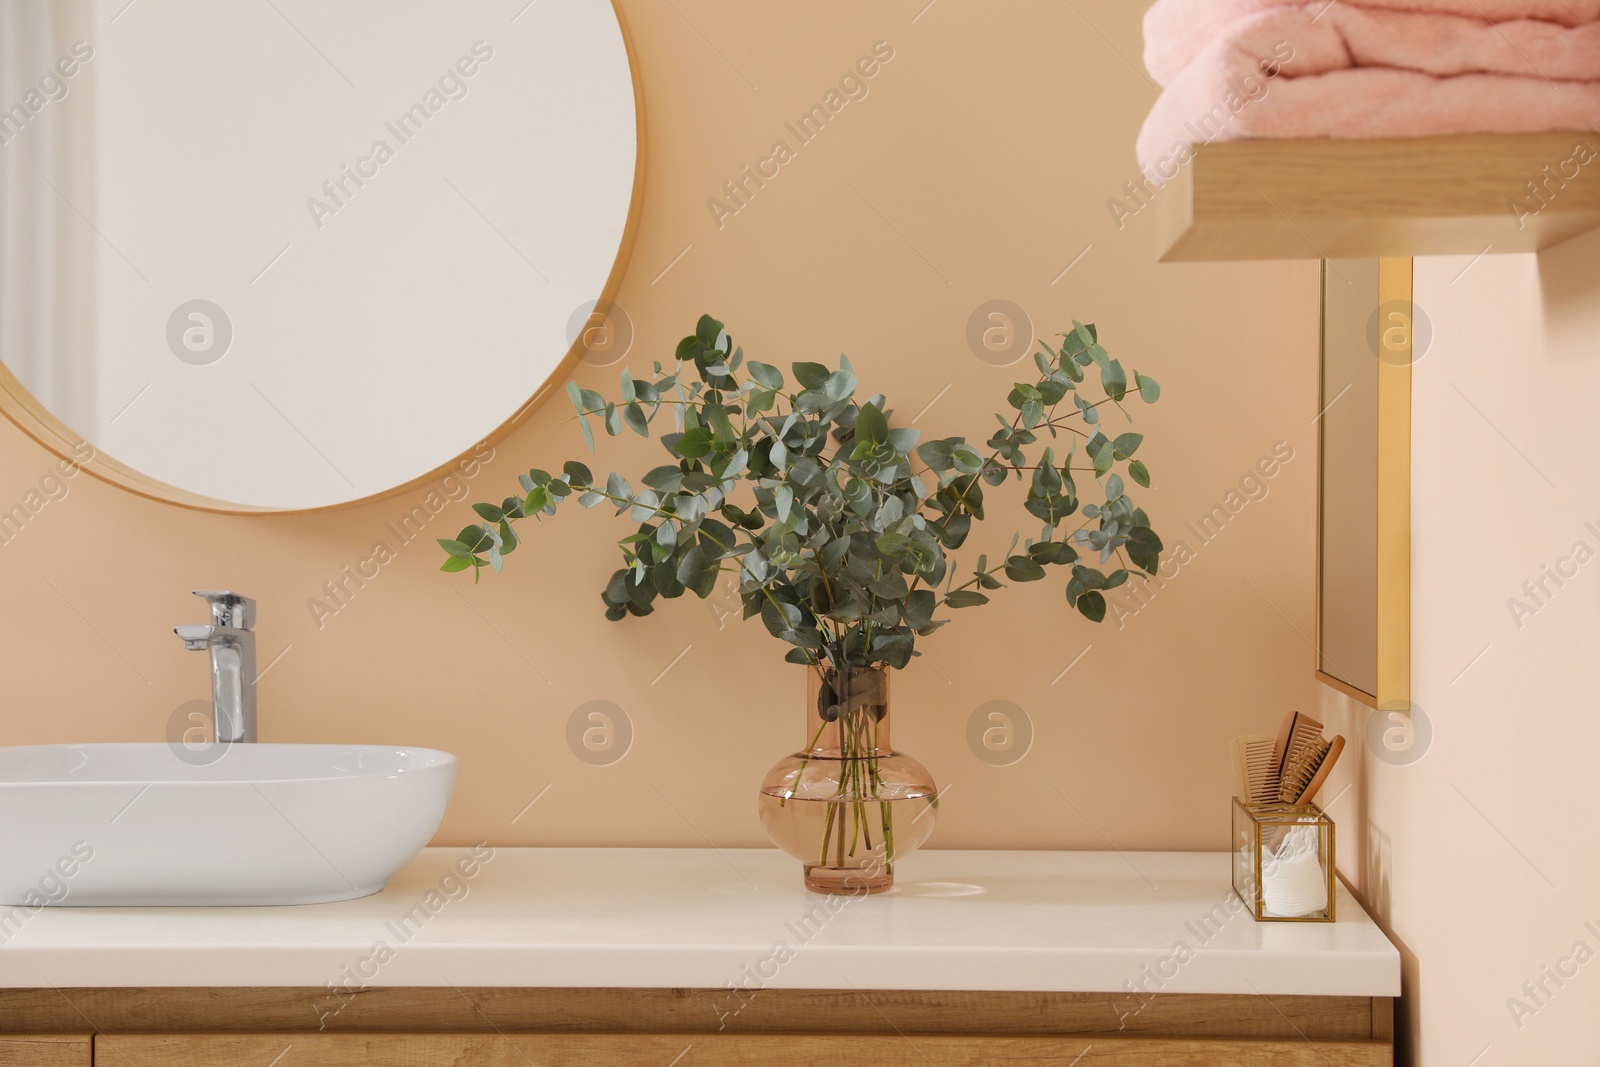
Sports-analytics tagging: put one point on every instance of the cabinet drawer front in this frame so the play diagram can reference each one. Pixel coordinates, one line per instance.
(717, 1050)
(46, 1050)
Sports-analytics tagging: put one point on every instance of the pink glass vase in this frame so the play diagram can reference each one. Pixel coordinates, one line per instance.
(847, 806)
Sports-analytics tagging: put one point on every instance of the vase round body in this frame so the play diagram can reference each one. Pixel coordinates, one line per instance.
(847, 806)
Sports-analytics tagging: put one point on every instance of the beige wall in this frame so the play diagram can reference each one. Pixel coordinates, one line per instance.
(1480, 858)
(978, 167)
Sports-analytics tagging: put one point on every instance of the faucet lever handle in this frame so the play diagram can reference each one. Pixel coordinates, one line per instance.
(229, 608)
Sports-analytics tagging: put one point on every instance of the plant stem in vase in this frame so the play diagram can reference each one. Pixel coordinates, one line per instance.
(848, 806)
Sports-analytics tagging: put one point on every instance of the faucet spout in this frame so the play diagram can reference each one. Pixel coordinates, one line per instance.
(195, 638)
(232, 645)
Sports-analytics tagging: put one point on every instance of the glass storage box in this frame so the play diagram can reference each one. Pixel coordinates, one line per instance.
(1283, 861)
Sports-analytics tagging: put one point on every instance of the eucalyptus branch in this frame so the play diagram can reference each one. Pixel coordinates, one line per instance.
(841, 544)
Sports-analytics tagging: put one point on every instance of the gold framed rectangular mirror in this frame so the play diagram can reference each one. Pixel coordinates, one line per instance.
(1363, 602)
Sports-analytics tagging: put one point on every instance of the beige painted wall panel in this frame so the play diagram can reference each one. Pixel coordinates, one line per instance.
(981, 164)
(1477, 857)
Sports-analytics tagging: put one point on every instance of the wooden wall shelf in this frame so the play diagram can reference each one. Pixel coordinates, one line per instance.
(1413, 196)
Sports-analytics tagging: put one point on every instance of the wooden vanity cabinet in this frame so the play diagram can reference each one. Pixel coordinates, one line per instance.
(495, 1027)
(46, 1050)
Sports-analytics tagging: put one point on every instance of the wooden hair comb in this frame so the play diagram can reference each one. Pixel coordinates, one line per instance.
(1288, 768)
(1255, 762)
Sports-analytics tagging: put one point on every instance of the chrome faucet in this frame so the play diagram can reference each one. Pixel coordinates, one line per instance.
(232, 645)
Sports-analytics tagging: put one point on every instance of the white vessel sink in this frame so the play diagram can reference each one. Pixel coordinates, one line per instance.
(154, 824)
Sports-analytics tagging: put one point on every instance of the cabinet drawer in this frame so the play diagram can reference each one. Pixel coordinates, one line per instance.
(46, 1050)
(718, 1050)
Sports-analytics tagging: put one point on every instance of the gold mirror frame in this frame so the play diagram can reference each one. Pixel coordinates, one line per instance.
(1389, 636)
(19, 405)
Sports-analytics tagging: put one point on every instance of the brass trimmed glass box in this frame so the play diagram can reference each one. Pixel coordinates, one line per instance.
(1283, 861)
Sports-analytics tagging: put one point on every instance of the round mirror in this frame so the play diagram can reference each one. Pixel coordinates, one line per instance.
(289, 254)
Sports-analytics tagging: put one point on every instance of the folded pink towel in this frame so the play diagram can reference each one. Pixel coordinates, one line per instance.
(1175, 31)
(1311, 38)
(1205, 105)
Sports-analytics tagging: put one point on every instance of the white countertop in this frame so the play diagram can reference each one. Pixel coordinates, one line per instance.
(705, 918)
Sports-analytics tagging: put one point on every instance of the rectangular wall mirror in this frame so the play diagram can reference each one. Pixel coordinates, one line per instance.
(1363, 640)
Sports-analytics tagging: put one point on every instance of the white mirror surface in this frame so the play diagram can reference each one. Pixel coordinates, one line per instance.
(291, 253)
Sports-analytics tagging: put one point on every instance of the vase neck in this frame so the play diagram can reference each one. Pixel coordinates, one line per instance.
(847, 712)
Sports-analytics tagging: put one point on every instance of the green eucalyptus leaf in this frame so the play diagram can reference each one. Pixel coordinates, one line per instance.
(904, 440)
(1149, 388)
(1072, 369)
(858, 495)
(966, 459)
(722, 431)
(804, 471)
(1020, 394)
(664, 479)
(840, 384)
(698, 571)
(1101, 453)
(1023, 569)
(1144, 548)
(891, 511)
(1090, 413)
(919, 608)
(1093, 606)
(707, 331)
(780, 618)
(939, 455)
(811, 375)
(694, 444)
(1088, 577)
(765, 374)
(617, 486)
(717, 538)
(455, 548)
(871, 426)
(954, 530)
(891, 586)
(1113, 379)
(894, 545)
(1058, 553)
(1080, 339)
(475, 538)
